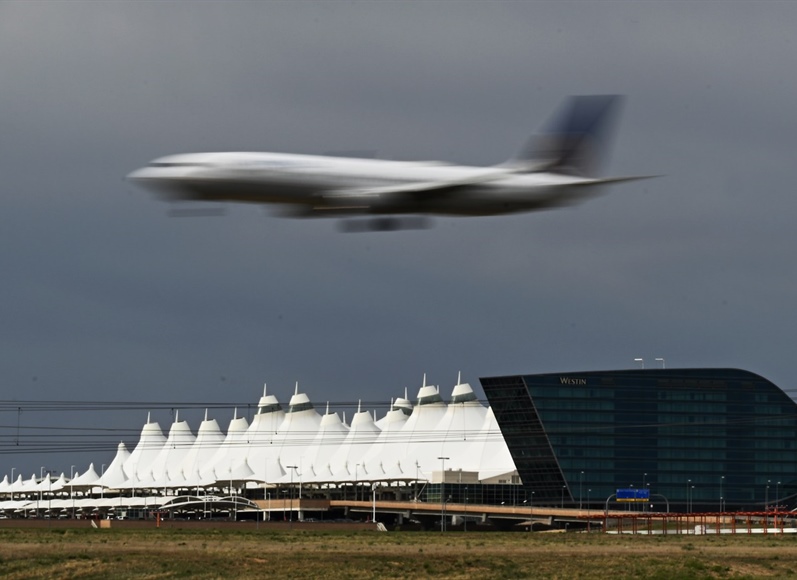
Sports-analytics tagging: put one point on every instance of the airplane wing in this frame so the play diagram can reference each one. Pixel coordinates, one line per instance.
(412, 191)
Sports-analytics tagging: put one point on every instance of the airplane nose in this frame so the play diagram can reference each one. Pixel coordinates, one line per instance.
(135, 175)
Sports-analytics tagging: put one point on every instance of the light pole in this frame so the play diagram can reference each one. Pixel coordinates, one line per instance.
(766, 497)
(356, 480)
(641, 361)
(41, 481)
(290, 515)
(13, 469)
(644, 487)
(102, 488)
(442, 494)
(374, 487)
(589, 520)
(564, 487)
(531, 511)
(417, 466)
(766, 505)
(581, 490)
(688, 483)
(465, 519)
(722, 480)
(661, 360)
(72, 491)
(49, 498)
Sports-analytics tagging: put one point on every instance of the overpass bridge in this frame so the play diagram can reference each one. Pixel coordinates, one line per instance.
(500, 515)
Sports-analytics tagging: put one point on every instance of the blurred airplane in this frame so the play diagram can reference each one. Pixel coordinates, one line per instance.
(556, 168)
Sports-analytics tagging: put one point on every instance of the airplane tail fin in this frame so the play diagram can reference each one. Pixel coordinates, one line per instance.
(574, 140)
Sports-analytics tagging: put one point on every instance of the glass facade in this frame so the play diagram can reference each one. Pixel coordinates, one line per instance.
(697, 439)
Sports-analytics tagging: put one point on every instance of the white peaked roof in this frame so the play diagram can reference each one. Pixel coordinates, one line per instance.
(208, 440)
(403, 409)
(419, 442)
(382, 449)
(236, 475)
(260, 452)
(294, 435)
(30, 485)
(4, 485)
(195, 479)
(362, 434)
(494, 458)
(17, 485)
(139, 481)
(114, 476)
(331, 434)
(149, 445)
(85, 480)
(232, 442)
(165, 468)
(456, 428)
(49, 483)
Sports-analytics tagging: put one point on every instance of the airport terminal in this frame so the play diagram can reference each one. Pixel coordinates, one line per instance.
(550, 448)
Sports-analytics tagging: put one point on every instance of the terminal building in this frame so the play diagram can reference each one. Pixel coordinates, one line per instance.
(695, 440)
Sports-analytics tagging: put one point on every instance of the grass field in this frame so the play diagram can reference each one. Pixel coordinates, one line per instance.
(203, 553)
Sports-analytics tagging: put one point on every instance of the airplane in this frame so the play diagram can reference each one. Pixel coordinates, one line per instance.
(556, 168)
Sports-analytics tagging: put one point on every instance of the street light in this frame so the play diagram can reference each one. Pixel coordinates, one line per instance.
(442, 494)
(644, 487)
(581, 490)
(688, 507)
(13, 469)
(41, 481)
(661, 360)
(589, 520)
(356, 480)
(72, 491)
(290, 515)
(374, 487)
(766, 497)
(49, 498)
(564, 487)
(531, 511)
(722, 480)
(641, 361)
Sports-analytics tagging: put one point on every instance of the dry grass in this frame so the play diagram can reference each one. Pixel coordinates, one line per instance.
(186, 553)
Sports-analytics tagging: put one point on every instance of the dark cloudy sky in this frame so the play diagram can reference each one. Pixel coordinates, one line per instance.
(106, 298)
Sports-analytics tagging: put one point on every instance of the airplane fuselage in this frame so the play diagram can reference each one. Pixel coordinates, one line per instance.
(339, 185)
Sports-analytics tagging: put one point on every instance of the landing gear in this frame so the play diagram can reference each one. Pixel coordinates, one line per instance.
(384, 224)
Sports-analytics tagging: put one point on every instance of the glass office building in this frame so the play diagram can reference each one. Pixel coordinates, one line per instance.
(697, 439)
